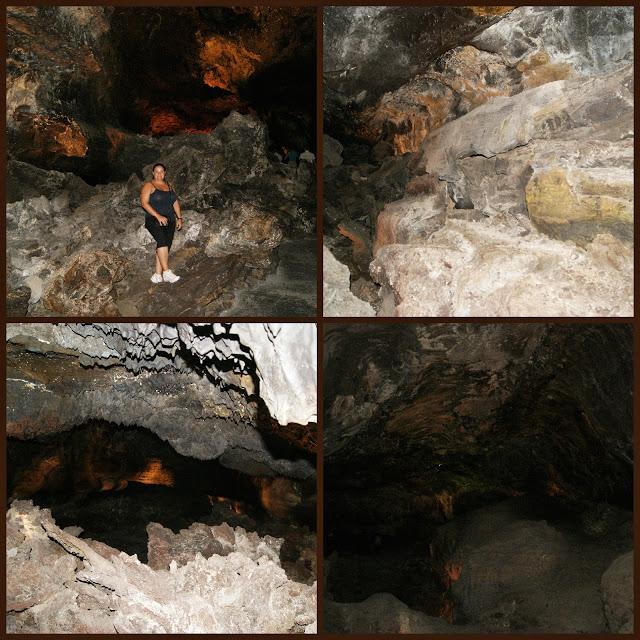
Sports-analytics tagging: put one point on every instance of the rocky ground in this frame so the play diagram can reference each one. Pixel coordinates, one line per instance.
(503, 572)
(59, 583)
(76, 249)
(494, 178)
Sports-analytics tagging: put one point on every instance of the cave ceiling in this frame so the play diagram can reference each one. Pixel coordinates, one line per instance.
(243, 394)
(460, 407)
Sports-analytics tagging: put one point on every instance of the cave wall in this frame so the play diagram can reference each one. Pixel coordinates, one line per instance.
(424, 419)
(83, 81)
(490, 176)
(212, 391)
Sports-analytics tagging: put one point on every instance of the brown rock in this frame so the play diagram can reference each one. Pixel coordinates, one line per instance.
(84, 285)
(579, 203)
(164, 546)
(18, 301)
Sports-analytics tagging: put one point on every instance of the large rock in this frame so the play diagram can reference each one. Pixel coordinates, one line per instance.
(490, 555)
(74, 587)
(617, 594)
(504, 123)
(578, 204)
(591, 40)
(338, 299)
(84, 286)
(383, 613)
(487, 269)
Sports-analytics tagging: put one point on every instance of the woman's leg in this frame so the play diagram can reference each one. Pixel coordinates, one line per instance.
(162, 256)
(158, 265)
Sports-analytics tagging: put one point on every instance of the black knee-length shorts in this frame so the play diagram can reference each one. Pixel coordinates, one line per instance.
(162, 235)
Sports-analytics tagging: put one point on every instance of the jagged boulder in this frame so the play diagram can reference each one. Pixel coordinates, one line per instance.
(75, 586)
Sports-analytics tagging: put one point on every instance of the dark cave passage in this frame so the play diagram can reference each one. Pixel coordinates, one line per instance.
(105, 75)
(478, 478)
(112, 481)
(183, 71)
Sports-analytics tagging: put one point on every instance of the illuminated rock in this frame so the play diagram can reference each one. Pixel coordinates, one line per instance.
(72, 588)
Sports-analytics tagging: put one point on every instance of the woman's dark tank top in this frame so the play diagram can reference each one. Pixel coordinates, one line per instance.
(162, 202)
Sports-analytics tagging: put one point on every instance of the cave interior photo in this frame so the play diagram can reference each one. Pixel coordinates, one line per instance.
(161, 478)
(478, 478)
(478, 161)
(97, 95)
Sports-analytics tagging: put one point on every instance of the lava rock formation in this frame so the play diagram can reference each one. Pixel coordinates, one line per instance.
(94, 99)
(479, 475)
(240, 396)
(479, 161)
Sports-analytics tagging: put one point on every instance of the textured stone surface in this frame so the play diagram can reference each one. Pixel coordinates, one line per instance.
(409, 221)
(383, 613)
(238, 207)
(338, 299)
(527, 126)
(83, 286)
(496, 268)
(138, 374)
(590, 40)
(425, 409)
(509, 572)
(73, 588)
(75, 101)
(331, 152)
(599, 199)
(617, 594)
(166, 547)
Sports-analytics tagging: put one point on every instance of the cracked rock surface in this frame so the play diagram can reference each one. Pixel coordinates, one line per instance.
(59, 583)
(199, 387)
(506, 159)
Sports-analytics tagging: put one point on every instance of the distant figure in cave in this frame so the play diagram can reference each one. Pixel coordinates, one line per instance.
(290, 156)
(162, 218)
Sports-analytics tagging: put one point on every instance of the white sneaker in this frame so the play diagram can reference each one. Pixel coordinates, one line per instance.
(156, 278)
(169, 276)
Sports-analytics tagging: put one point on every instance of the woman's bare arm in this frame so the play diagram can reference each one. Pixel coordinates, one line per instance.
(176, 208)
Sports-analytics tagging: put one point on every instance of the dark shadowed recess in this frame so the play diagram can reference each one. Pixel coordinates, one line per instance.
(425, 424)
(112, 481)
(159, 53)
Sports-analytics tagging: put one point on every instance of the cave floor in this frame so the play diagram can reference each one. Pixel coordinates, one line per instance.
(227, 285)
(288, 290)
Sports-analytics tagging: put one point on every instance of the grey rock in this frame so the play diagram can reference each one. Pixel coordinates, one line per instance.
(331, 152)
(383, 613)
(498, 268)
(133, 381)
(617, 594)
(593, 40)
(338, 299)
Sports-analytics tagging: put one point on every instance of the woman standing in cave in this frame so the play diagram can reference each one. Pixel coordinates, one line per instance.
(162, 218)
